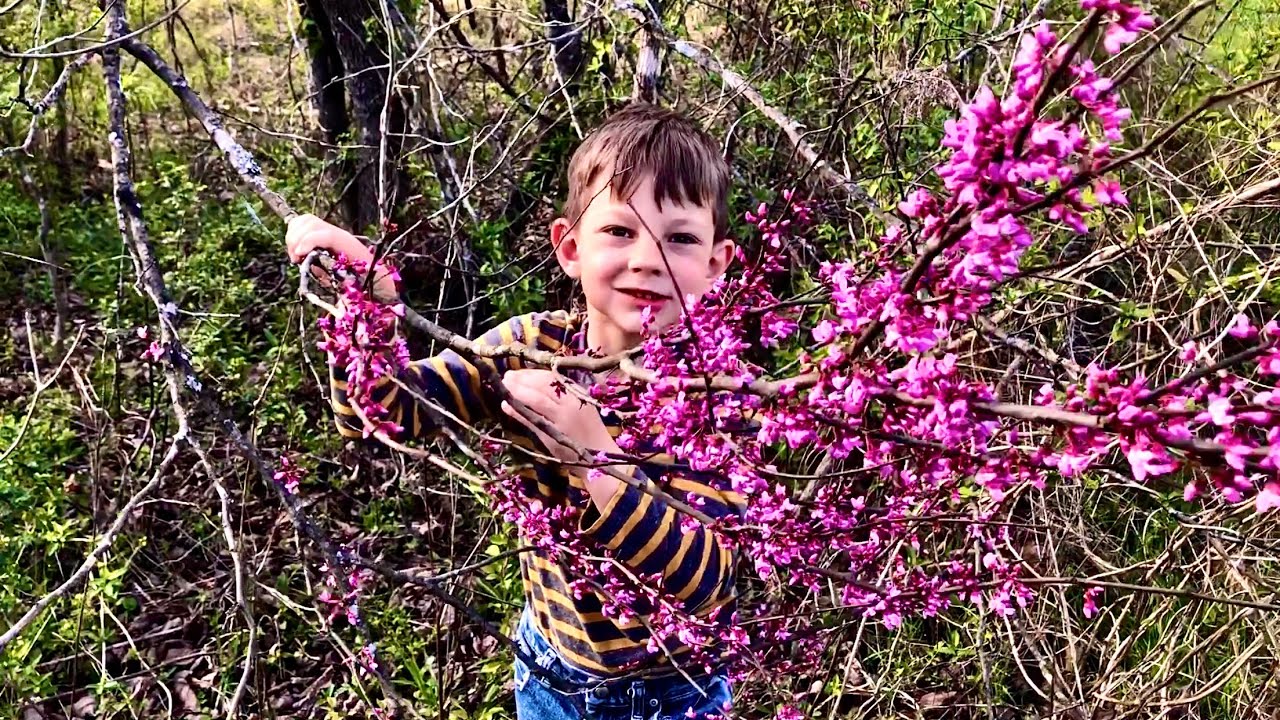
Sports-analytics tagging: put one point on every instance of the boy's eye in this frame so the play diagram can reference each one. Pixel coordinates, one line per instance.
(684, 239)
(618, 231)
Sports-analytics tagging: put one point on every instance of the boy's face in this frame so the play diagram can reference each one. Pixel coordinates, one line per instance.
(631, 256)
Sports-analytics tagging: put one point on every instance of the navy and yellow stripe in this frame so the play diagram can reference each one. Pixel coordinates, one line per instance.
(641, 531)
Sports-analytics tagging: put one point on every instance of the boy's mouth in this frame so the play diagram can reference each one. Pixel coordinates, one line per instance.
(644, 296)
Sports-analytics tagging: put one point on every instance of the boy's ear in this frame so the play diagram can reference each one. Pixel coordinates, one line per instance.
(566, 247)
(721, 256)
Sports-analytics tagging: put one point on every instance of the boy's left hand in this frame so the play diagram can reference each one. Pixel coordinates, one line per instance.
(542, 392)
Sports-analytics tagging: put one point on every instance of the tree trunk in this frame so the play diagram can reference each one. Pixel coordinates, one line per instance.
(329, 97)
(351, 43)
(648, 82)
(566, 40)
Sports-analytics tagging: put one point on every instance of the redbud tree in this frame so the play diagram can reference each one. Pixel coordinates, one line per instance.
(881, 472)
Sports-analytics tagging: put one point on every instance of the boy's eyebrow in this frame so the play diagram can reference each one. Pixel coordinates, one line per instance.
(626, 215)
(684, 224)
(617, 215)
(622, 216)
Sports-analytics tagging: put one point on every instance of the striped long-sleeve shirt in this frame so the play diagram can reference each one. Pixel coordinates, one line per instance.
(643, 532)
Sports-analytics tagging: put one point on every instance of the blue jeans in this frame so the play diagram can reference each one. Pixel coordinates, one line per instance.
(600, 698)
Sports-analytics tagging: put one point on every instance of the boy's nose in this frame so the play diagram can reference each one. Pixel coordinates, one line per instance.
(646, 255)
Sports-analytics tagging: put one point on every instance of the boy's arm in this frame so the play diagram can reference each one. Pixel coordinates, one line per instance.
(645, 533)
(450, 380)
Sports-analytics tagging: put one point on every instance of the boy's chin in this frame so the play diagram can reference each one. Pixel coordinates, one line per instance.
(631, 322)
(635, 323)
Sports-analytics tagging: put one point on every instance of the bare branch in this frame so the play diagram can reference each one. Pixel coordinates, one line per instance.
(104, 543)
(241, 160)
(738, 84)
(99, 47)
(42, 106)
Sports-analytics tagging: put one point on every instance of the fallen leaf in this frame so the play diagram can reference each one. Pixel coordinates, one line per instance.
(936, 699)
(186, 695)
(84, 707)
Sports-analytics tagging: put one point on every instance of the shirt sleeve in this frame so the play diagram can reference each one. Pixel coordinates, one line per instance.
(645, 534)
(448, 379)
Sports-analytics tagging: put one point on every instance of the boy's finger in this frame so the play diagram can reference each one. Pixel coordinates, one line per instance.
(517, 380)
(539, 395)
(299, 226)
(308, 232)
(546, 440)
(506, 408)
(541, 381)
(527, 396)
(517, 416)
(296, 238)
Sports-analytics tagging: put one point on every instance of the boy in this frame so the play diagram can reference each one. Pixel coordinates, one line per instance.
(645, 225)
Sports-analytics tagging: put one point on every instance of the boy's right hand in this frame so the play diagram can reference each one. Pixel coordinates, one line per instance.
(307, 233)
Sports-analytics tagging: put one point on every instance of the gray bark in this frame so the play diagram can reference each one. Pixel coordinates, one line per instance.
(355, 45)
(648, 84)
(566, 40)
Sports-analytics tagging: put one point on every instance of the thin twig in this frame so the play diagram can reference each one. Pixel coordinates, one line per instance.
(653, 26)
(104, 543)
(41, 106)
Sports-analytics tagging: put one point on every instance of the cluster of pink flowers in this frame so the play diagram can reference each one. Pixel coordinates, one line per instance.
(363, 340)
(342, 586)
(155, 351)
(1219, 420)
(1129, 22)
(922, 428)
(289, 476)
(342, 595)
(1091, 596)
(367, 659)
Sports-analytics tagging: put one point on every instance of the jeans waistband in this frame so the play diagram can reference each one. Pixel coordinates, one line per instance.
(609, 690)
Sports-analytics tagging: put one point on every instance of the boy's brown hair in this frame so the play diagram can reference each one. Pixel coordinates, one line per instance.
(643, 140)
